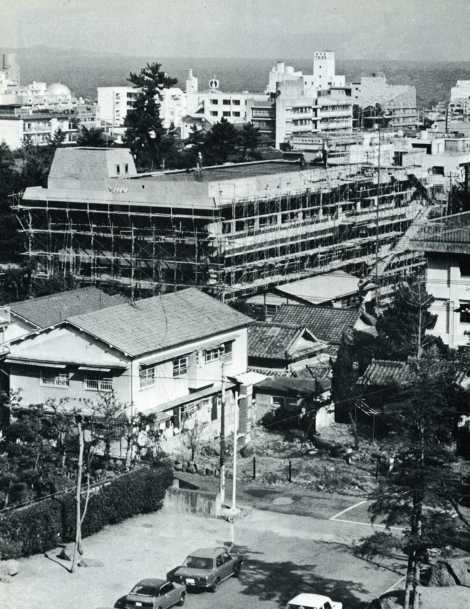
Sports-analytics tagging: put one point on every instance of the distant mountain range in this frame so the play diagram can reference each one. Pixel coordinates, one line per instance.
(83, 71)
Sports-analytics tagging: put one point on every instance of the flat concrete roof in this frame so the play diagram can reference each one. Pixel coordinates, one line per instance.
(227, 172)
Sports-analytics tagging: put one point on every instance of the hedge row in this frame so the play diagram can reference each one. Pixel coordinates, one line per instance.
(43, 526)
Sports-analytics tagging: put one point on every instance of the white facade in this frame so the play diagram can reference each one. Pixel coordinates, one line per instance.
(448, 280)
(280, 72)
(36, 129)
(298, 113)
(9, 72)
(460, 91)
(114, 103)
(324, 71)
(310, 104)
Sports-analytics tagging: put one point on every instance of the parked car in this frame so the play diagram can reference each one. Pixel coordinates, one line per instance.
(206, 568)
(313, 601)
(154, 594)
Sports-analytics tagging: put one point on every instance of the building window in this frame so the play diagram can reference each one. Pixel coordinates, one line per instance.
(236, 114)
(226, 113)
(214, 113)
(226, 102)
(214, 101)
(180, 366)
(146, 376)
(97, 383)
(54, 380)
(464, 312)
(236, 102)
(126, 168)
(222, 351)
(118, 169)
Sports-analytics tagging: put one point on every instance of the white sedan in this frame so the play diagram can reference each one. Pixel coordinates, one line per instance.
(313, 601)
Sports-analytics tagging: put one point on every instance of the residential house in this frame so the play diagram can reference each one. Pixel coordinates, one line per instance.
(166, 355)
(308, 401)
(277, 349)
(325, 323)
(19, 318)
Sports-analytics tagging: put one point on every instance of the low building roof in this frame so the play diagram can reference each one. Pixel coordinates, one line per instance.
(321, 288)
(325, 323)
(273, 340)
(47, 311)
(289, 386)
(157, 323)
(381, 372)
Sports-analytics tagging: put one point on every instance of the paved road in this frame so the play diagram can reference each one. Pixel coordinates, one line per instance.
(285, 554)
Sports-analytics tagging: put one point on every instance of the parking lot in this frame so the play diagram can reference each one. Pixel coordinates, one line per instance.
(284, 554)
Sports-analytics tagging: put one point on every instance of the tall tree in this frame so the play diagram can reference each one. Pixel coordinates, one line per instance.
(221, 143)
(9, 184)
(417, 492)
(145, 134)
(402, 327)
(249, 141)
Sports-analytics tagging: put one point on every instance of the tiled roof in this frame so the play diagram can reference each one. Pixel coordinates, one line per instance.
(271, 340)
(156, 323)
(326, 323)
(47, 311)
(381, 372)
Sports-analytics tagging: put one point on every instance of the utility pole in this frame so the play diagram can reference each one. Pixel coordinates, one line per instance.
(78, 517)
(235, 449)
(222, 440)
(377, 291)
(420, 322)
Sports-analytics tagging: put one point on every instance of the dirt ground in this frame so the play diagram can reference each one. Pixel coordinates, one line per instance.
(284, 554)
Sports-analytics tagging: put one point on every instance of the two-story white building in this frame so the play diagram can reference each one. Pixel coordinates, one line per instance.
(168, 355)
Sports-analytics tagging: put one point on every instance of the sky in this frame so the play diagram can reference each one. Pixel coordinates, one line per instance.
(422, 30)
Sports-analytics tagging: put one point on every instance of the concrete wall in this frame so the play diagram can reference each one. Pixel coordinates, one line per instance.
(444, 280)
(186, 501)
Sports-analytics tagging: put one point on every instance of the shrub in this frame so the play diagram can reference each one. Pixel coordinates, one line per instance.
(42, 526)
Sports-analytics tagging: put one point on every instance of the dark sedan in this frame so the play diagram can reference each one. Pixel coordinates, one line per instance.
(206, 568)
(153, 594)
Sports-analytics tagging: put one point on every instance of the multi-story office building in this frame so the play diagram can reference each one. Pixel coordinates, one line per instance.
(310, 104)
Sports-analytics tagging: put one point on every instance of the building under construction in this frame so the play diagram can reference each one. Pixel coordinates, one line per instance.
(234, 230)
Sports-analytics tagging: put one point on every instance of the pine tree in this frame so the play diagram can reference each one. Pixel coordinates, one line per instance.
(249, 141)
(145, 134)
(402, 328)
(221, 143)
(419, 492)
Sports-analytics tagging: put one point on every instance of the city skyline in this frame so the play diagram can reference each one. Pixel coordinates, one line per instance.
(247, 28)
